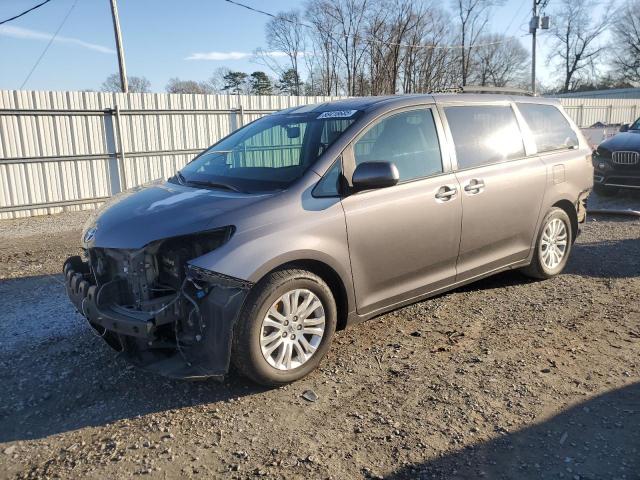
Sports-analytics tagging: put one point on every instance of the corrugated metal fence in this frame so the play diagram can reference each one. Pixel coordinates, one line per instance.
(72, 150)
(588, 111)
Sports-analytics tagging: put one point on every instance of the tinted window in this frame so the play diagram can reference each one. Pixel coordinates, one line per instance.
(550, 129)
(408, 139)
(484, 134)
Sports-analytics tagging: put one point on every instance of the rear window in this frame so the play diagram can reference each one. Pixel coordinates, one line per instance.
(484, 134)
(549, 127)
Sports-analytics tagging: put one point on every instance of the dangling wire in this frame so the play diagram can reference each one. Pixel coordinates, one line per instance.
(64, 20)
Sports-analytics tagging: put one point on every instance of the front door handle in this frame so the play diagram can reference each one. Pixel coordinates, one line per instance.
(445, 193)
(474, 186)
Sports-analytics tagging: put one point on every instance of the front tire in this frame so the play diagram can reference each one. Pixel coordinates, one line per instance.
(285, 327)
(553, 246)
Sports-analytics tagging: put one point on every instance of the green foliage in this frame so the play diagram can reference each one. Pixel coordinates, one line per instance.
(260, 84)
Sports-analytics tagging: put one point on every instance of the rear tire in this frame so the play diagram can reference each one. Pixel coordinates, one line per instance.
(271, 345)
(553, 246)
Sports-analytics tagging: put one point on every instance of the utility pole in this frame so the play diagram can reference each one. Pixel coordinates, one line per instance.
(533, 28)
(536, 23)
(116, 28)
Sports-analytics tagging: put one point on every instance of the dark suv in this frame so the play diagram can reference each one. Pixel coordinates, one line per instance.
(617, 161)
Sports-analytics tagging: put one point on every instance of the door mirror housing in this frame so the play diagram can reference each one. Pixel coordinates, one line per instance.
(371, 175)
(624, 127)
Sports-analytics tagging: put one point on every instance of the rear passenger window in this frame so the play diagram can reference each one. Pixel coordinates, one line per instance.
(549, 127)
(407, 139)
(484, 134)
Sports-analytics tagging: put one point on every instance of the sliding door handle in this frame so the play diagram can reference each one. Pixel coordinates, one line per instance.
(445, 193)
(474, 186)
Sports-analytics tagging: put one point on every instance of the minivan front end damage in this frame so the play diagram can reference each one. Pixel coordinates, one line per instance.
(160, 312)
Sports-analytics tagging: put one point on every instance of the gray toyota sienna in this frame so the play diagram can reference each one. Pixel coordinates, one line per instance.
(318, 217)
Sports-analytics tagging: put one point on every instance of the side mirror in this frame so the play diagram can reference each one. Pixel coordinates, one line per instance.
(370, 175)
(624, 127)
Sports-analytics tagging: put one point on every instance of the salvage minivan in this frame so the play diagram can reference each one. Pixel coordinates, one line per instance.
(317, 217)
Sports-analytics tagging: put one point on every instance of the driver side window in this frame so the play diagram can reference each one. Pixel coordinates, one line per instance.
(408, 139)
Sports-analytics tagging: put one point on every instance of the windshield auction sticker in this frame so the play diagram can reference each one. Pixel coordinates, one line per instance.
(337, 114)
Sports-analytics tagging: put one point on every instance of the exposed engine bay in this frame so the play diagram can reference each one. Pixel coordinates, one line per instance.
(156, 309)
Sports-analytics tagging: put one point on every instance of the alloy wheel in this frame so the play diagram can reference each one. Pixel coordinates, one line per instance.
(553, 245)
(292, 329)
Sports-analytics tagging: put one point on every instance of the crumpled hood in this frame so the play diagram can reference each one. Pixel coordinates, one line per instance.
(133, 219)
(629, 141)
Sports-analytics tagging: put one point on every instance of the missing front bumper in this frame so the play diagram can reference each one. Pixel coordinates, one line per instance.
(157, 338)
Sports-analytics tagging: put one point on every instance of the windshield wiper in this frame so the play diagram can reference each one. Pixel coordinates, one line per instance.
(181, 178)
(205, 183)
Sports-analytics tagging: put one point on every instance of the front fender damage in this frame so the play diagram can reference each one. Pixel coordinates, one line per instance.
(185, 334)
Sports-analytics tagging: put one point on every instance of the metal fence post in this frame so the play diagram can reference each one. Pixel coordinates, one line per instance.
(115, 181)
(120, 145)
(233, 120)
(237, 118)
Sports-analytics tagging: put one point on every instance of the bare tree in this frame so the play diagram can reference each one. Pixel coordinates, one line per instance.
(217, 81)
(348, 36)
(136, 84)
(285, 34)
(473, 16)
(323, 60)
(626, 41)
(427, 64)
(175, 85)
(500, 61)
(577, 37)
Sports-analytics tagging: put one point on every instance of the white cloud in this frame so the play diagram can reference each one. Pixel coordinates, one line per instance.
(223, 56)
(28, 34)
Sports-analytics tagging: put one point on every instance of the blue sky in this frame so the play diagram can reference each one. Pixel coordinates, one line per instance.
(159, 36)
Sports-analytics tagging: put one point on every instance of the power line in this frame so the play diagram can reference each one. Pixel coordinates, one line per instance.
(518, 12)
(375, 40)
(24, 13)
(64, 20)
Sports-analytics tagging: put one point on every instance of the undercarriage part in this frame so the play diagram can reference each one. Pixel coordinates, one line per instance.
(160, 313)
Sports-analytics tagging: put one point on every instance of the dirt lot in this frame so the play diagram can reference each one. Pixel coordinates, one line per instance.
(506, 378)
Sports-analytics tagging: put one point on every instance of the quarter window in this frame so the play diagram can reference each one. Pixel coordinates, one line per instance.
(549, 127)
(484, 134)
(329, 185)
(407, 139)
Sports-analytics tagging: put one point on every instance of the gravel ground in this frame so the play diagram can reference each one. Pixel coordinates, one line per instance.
(505, 378)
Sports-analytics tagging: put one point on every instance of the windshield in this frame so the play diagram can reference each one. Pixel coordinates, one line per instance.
(268, 154)
(636, 125)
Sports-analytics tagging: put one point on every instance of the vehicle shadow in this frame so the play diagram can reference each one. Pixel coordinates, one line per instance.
(606, 259)
(57, 375)
(596, 439)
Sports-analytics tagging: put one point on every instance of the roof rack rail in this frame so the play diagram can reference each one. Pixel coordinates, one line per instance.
(503, 90)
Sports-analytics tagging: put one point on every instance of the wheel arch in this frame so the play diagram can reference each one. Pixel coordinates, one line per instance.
(330, 277)
(570, 209)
